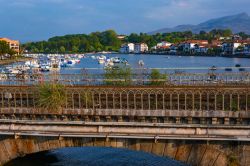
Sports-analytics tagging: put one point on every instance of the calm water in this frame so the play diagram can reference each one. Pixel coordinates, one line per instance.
(165, 61)
(91, 156)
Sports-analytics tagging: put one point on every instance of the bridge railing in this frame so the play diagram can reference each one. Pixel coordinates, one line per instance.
(134, 79)
(193, 98)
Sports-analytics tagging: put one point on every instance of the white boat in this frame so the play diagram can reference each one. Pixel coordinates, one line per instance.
(101, 59)
(116, 60)
(45, 68)
(140, 63)
(3, 76)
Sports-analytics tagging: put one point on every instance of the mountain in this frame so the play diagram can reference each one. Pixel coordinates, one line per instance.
(237, 23)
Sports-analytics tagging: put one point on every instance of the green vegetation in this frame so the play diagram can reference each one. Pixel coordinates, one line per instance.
(121, 76)
(80, 43)
(52, 97)
(108, 41)
(5, 49)
(87, 99)
(157, 78)
(233, 161)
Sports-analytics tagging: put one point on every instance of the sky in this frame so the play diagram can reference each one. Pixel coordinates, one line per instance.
(34, 20)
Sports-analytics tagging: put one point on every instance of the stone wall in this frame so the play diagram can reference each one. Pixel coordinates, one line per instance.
(196, 153)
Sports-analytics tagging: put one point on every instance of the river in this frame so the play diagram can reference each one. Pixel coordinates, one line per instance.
(93, 156)
(165, 61)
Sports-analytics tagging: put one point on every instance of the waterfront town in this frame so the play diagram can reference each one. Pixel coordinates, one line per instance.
(233, 45)
(229, 46)
(125, 83)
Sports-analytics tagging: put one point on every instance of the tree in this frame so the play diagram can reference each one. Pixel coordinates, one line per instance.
(227, 33)
(118, 76)
(62, 49)
(157, 78)
(5, 49)
(75, 49)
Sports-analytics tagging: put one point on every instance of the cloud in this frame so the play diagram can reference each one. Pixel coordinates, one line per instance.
(41, 19)
(177, 12)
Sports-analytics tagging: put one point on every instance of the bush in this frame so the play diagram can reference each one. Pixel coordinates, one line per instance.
(156, 78)
(52, 97)
(118, 76)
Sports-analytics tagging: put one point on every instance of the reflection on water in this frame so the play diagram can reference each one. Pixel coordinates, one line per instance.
(92, 156)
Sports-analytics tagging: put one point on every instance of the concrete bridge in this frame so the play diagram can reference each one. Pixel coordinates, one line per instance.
(198, 125)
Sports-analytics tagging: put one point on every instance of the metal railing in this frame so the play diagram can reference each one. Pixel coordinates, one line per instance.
(133, 79)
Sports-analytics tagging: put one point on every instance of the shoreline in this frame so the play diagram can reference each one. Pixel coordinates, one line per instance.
(194, 55)
(11, 61)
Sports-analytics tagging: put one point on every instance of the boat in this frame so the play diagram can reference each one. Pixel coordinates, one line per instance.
(242, 69)
(45, 68)
(237, 65)
(101, 59)
(116, 60)
(228, 69)
(140, 63)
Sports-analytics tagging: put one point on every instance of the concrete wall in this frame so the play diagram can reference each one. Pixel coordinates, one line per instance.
(193, 153)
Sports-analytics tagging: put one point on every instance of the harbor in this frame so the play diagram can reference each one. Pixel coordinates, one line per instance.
(91, 69)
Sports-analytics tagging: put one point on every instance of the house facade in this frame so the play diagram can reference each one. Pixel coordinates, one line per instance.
(230, 48)
(200, 48)
(13, 44)
(127, 48)
(141, 48)
(191, 45)
(163, 44)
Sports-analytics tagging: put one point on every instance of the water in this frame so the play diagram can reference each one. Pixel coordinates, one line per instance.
(165, 61)
(93, 156)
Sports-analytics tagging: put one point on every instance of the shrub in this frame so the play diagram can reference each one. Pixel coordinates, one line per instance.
(156, 78)
(52, 97)
(118, 76)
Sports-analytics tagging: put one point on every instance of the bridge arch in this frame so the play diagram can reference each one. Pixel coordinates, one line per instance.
(189, 152)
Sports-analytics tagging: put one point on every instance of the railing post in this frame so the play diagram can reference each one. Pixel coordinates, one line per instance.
(134, 101)
(223, 102)
(207, 101)
(156, 101)
(200, 102)
(142, 101)
(149, 103)
(246, 102)
(215, 102)
(178, 96)
(120, 101)
(163, 101)
(171, 101)
(230, 102)
(185, 101)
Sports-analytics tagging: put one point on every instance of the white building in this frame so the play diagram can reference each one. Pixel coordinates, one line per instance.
(199, 48)
(141, 48)
(230, 47)
(189, 45)
(127, 48)
(247, 49)
(163, 44)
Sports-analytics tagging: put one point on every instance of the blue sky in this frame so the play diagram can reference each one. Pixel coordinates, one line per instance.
(32, 20)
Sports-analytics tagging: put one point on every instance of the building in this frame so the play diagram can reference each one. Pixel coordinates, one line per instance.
(163, 45)
(190, 45)
(121, 37)
(14, 44)
(230, 48)
(127, 48)
(247, 49)
(141, 48)
(174, 48)
(201, 48)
